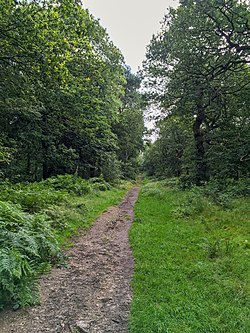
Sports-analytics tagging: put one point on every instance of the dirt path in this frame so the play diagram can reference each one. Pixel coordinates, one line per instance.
(92, 294)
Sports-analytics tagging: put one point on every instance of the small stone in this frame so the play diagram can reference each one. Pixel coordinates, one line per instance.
(82, 327)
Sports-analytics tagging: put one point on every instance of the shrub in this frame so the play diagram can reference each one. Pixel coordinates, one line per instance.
(193, 204)
(153, 190)
(27, 245)
(99, 183)
(110, 167)
(69, 183)
(33, 197)
(223, 192)
(240, 187)
(170, 183)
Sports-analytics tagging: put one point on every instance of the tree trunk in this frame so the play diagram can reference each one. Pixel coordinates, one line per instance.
(45, 166)
(201, 172)
(46, 172)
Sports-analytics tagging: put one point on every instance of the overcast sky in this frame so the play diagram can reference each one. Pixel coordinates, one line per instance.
(130, 24)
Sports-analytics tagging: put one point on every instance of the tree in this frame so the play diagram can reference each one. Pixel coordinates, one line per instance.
(61, 90)
(129, 126)
(191, 66)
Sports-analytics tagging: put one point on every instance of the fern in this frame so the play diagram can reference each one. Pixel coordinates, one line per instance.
(32, 197)
(27, 244)
(16, 275)
(28, 224)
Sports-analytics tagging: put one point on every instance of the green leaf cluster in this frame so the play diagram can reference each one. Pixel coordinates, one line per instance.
(197, 74)
(62, 86)
(27, 246)
(129, 126)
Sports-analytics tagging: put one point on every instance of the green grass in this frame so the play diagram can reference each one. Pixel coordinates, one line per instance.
(192, 267)
(38, 220)
(80, 212)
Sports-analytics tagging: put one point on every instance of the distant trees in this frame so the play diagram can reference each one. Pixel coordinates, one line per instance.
(197, 71)
(62, 82)
(129, 126)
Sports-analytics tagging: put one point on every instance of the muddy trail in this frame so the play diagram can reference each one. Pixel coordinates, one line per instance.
(92, 294)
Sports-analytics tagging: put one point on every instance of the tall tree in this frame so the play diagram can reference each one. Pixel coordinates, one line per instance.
(62, 82)
(129, 126)
(191, 66)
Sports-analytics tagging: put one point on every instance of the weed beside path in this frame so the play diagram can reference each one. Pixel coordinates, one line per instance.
(192, 267)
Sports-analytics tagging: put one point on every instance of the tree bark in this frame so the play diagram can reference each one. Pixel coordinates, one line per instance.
(201, 172)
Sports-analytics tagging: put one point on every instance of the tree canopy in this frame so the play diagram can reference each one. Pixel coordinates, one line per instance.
(197, 69)
(61, 90)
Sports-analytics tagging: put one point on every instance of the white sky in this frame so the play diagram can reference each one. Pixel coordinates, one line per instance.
(130, 24)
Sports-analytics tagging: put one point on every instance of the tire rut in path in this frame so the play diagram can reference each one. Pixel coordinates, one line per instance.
(92, 294)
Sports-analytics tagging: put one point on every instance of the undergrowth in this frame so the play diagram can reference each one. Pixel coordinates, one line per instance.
(27, 245)
(37, 220)
(192, 263)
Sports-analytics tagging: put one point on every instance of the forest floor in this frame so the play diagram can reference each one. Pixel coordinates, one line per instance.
(92, 293)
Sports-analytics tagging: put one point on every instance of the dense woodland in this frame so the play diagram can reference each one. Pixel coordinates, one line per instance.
(197, 73)
(67, 99)
(69, 104)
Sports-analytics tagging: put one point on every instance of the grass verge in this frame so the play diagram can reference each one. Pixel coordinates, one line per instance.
(37, 220)
(80, 212)
(192, 267)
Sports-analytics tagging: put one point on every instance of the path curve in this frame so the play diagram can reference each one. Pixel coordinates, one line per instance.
(92, 294)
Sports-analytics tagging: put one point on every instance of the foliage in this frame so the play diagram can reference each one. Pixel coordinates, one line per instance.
(168, 156)
(71, 184)
(33, 197)
(152, 190)
(191, 270)
(99, 184)
(193, 204)
(111, 168)
(63, 86)
(129, 126)
(37, 220)
(27, 243)
(223, 194)
(196, 73)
